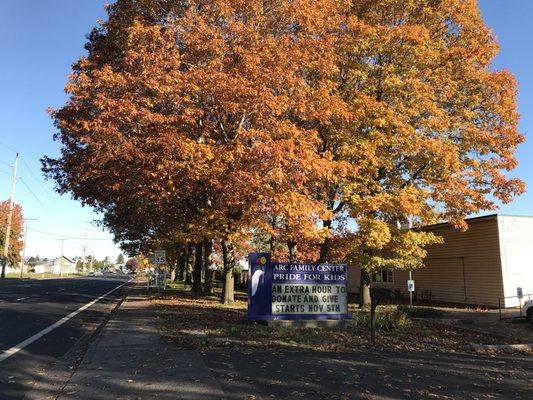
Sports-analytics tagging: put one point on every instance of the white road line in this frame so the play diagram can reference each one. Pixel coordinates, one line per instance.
(13, 350)
(23, 298)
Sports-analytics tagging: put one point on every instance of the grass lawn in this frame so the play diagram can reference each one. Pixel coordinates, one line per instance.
(202, 323)
(47, 275)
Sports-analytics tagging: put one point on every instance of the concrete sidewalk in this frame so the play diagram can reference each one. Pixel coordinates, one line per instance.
(129, 361)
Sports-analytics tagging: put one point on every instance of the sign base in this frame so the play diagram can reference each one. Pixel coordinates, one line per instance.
(308, 323)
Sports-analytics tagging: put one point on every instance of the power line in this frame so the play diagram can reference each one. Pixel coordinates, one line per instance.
(8, 147)
(67, 236)
(44, 206)
(40, 183)
(41, 203)
(36, 179)
(47, 191)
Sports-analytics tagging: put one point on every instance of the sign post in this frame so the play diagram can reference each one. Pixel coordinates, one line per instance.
(296, 291)
(159, 258)
(520, 295)
(410, 289)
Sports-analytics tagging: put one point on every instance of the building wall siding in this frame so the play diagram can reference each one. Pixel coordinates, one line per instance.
(465, 269)
(516, 244)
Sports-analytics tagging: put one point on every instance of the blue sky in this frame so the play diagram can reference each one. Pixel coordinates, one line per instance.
(39, 40)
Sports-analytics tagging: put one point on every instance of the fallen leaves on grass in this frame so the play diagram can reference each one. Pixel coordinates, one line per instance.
(204, 324)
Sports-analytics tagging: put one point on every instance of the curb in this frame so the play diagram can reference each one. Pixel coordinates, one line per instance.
(463, 328)
(508, 348)
(482, 348)
(72, 359)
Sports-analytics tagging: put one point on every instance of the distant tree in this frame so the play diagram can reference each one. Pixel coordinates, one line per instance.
(33, 260)
(97, 264)
(15, 240)
(120, 259)
(134, 264)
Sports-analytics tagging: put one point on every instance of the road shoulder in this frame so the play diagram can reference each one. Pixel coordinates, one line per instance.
(47, 380)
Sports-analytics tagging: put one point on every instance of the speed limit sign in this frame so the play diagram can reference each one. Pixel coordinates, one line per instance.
(160, 257)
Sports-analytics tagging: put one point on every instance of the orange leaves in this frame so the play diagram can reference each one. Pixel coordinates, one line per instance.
(431, 128)
(15, 242)
(217, 118)
(194, 116)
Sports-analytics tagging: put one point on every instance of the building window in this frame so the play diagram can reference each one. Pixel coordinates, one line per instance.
(384, 276)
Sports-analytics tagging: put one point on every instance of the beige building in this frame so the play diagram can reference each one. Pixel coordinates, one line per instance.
(487, 262)
(60, 265)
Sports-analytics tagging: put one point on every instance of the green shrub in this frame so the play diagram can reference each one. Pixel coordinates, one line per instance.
(420, 312)
(385, 320)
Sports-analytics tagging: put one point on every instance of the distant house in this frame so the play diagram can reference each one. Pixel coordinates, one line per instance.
(43, 267)
(486, 263)
(60, 265)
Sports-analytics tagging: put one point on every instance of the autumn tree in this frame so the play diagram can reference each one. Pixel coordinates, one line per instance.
(433, 126)
(135, 264)
(210, 120)
(188, 122)
(15, 238)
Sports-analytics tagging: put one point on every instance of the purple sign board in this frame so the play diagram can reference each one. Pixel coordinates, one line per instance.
(296, 290)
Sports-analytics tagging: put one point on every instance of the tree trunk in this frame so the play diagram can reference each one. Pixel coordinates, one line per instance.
(292, 250)
(173, 272)
(324, 246)
(364, 288)
(198, 264)
(181, 268)
(208, 262)
(189, 263)
(228, 258)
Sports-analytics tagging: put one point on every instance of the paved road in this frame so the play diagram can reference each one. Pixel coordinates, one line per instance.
(380, 375)
(28, 307)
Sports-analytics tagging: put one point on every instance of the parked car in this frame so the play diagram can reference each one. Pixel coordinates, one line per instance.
(91, 273)
(527, 309)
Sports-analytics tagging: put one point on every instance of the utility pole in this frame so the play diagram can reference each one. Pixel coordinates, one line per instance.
(83, 260)
(10, 217)
(92, 260)
(61, 258)
(26, 220)
(84, 248)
